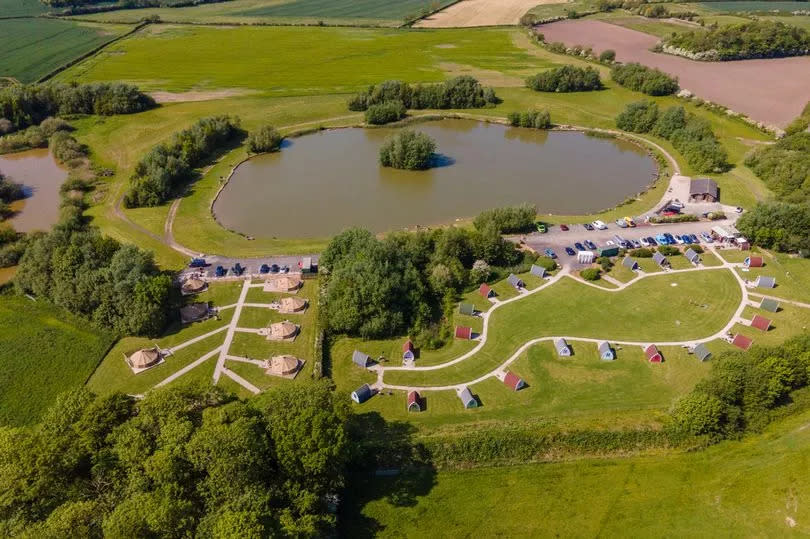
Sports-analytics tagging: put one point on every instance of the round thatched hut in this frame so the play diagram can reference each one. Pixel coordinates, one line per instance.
(283, 283)
(145, 358)
(282, 365)
(193, 286)
(281, 331)
(292, 305)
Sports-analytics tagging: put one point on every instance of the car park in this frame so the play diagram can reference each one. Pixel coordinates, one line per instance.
(599, 225)
(579, 246)
(569, 251)
(550, 252)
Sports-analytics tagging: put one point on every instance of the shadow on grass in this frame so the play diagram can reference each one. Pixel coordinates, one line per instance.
(388, 465)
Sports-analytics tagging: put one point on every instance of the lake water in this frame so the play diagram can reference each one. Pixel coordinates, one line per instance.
(320, 184)
(41, 176)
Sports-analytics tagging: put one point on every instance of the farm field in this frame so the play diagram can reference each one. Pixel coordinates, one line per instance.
(698, 305)
(753, 487)
(308, 12)
(35, 47)
(469, 13)
(21, 8)
(45, 351)
(763, 99)
(752, 6)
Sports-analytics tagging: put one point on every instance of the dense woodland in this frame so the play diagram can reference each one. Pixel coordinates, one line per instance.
(691, 135)
(168, 165)
(462, 92)
(407, 282)
(115, 286)
(785, 167)
(778, 225)
(182, 462)
(755, 39)
(644, 79)
(28, 105)
(566, 78)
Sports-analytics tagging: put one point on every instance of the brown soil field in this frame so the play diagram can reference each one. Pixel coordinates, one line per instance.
(469, 13)
(772, 91)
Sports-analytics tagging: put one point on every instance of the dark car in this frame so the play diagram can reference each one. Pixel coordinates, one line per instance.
(564, 228)
(579, 246)
(550, 253)
(588, 226)
(264, 269)
(694, 238)
(238, 269)
(221, 272)
(274, 268)
(569, 251)
(197, 263)
(591, 245)
(651, 241)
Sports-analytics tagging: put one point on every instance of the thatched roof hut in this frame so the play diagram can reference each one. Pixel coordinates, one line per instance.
(282, 365)
(292, 305)
(283, 283)
(145, 358)
(194, 313)
(193, 286)
(281, 331)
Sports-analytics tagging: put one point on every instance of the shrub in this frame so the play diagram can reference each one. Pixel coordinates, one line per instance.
(9, 190)
(66, 148)
(51, 125)
(265, 139)
(32, 137)
(508, 220)
(387, 112)
(643, 252)
(639, 117)
(669, 250)
(590, 274)
(681, 218)
(537, 119)
(566, 78)
(699, 414)
(605, 262)
(546, 263)
(607, 56)
(408, 150)
(669, 121)
(784, 167)
(697, 248)
(644, 79)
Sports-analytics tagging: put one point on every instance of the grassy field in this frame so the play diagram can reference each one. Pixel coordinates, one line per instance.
(35, 47)
(309, 12)
(756, 487)
(21, 8)
(45, 351)
(652, 309)
(753, 6)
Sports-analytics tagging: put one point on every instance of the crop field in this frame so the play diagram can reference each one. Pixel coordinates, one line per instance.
(309, 12)
(45, 351)
(21, 8)
(666, 307)
(753, 6)
(469, 13)
(35, 47)
(755, 487)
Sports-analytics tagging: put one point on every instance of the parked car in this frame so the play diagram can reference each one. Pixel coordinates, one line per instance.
(621, 223)
(651, 241)
(662, 239)
(630, 222)
(197, 263)
(541, 227)
(274, 268)
(677, 204)
(550, 252)
(570, 252)
(707, 237)
(264, 269)
(590, 245)
(694, 238)
(579, 246)
(564, 228)
(221, 272)
(238, 269)
(636, 244)
(686, 239)
(284, 269)
(679, 240)
(670, 238)
(738, 209)
(645, 242)
(588, 226)
(599, 225)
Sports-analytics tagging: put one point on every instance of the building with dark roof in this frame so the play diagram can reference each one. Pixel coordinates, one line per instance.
(764, 281)
(701, 352)
(361, 359)
(661, 260)
(692, 256)
(194, 313)
(466, 308)
(769, 304)
(539, 271)
(515, 281)
(629, 263)
(361, 394)
(703, 190)
(513, 381)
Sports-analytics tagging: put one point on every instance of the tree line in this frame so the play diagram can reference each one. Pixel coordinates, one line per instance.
(462, 92)
(408, 282)
(754, 39)
(785, 167)
(535, 119)
(567, 78)
(643, 79)
(169, 164)
(26, 105)
(182, 462)
(777, 225)
(691, 135)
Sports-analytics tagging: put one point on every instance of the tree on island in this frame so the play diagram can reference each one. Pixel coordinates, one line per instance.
(265, 139)
(408, 150)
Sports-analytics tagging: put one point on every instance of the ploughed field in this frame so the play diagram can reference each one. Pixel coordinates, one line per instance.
(773, 90)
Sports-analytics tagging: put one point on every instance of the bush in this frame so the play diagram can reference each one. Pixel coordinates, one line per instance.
(9, 190)
(681, 218)
(462, 92)
(265, 139)
(66, 148)
(605, 263)
(567, 78)
(32, 137)
(643, 252)
(644, 79)
(699, 414)
(590, 274)
(537, 119)
(607, 56)
(169, 164)
(408, 150)
(51, 125)
(754, 39)
(508, 220)
(784, 167)
(669, 250)
(697, 248)
(669, 121)
(639, 117)
(383, 113)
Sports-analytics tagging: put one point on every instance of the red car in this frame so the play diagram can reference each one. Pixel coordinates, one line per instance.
(564, 228)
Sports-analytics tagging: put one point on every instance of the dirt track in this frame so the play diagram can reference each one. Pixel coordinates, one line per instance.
(773, 91)
(481, 13)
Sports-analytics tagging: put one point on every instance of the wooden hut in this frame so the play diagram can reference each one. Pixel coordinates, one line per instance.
(282, 331)
(764, 281)
(538, 271)
(283, 283)
(605, 351)
(629, 263)
(463, 332)
(414, 402)
(742, 342)
(515, 281)
(361, 394)
(692, 256)
(701, 352)
(761, 323)
(769, 304)
(661, 260)
(513, 381)
(653, 355)
(407, 351)
(466, 308)
(361, 359)
(467, 399)
(195, 312)
(753, 262)
(485, 290)
(563, 350)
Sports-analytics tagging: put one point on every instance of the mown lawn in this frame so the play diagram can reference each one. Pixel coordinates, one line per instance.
(754, 487)
(35, 47)
(666, 307)
(44, 352)
(792, 276)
